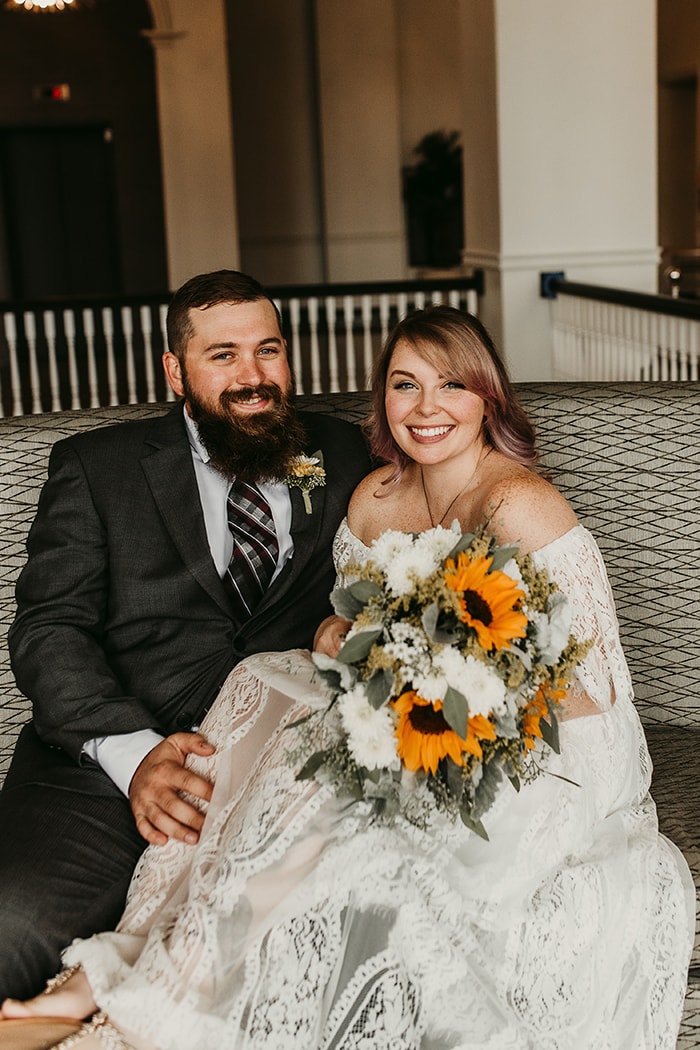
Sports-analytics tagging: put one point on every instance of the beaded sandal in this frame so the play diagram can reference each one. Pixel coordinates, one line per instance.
(58, 1033)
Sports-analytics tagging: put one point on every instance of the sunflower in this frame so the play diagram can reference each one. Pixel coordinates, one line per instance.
(537, 709)
(489, 601)
(425, 737)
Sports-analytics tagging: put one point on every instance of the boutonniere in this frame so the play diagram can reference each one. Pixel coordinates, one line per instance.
(306, 473)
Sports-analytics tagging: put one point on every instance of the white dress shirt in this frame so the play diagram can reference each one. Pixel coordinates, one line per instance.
(120, 755)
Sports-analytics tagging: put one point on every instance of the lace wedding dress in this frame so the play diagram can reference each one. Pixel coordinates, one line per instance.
(298, 923)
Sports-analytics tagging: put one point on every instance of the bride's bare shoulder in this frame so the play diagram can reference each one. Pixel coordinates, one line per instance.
(523, 508)
(371, 503)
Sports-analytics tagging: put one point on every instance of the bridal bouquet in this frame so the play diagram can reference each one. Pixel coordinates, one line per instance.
(458, 655)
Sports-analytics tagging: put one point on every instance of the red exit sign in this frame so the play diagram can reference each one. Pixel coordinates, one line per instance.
(53, 92)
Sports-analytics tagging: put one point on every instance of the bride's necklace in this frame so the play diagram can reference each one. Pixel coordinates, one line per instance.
(433, 522)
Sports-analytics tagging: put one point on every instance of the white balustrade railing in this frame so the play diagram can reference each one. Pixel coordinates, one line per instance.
(60, 357)
(602, 341)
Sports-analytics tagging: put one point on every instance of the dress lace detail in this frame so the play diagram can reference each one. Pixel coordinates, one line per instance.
(299, 923)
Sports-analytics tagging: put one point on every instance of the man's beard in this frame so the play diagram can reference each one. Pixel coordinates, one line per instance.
(257, 446)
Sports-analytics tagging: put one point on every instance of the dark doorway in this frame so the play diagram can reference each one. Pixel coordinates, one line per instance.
(59, 197)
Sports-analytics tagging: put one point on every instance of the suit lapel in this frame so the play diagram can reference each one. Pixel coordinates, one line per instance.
(169, 472)
(167, 465)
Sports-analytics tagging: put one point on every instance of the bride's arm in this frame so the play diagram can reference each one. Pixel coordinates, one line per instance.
(575, 563)
(526, 510)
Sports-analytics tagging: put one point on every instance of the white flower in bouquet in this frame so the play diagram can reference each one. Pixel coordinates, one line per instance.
(553, 628)
(408, 647)
(371, 736)
(484, 689)
(405, 558)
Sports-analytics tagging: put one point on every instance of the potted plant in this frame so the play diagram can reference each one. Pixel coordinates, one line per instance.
(432, 190)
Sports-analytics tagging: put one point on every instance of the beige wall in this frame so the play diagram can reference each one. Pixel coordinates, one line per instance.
(280, 210)
(360, 140)
(196, 136)
(557, 106)
(429, 63)
(560, 139)
(329, 101)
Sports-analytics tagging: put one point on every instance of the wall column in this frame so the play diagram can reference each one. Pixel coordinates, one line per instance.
(360, 139)
(559, 131)
(196, 136)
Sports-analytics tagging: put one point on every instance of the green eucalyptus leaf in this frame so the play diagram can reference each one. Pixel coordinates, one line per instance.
(506, 726)
(363, 590)
(550, 732)
(358, 647)
(378, 688)
(462, 544)
(344, 604)
(487, 789)
(456, 711)
(455, 779)
(337, 675)
(312, 765)
(349, 602)
(521, 654)
(474, 825)
(437, 635)
(502, 556)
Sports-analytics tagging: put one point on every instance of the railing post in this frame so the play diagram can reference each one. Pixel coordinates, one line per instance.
(149, 372)
(54, 382)
(15, 379)
(349, 316)
(34, 380)
(73, 375)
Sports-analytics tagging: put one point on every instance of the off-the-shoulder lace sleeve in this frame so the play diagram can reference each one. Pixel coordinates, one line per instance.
(346, 548)
(576, 564)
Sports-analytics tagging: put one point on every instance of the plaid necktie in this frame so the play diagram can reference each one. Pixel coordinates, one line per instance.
(255, 547)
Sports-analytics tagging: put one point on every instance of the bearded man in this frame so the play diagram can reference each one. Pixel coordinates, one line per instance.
(163, 552)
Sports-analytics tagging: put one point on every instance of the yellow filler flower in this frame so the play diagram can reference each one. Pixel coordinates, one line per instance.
(489, 601)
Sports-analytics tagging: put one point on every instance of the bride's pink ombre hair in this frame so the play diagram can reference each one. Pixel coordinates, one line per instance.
(458, 345)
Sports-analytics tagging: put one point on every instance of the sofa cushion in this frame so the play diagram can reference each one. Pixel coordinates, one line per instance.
(627, 455)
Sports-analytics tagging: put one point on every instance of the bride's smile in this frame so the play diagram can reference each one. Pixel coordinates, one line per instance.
(432, 416)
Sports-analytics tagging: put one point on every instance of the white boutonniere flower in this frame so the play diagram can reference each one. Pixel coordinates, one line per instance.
(306, 473)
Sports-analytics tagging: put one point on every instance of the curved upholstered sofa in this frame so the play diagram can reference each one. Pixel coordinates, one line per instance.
(628, 457)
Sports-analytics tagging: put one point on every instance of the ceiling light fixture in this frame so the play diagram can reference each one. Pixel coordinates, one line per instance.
(41, 5)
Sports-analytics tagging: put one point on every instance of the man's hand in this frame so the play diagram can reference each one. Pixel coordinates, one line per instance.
(154, 793)
(331, 635)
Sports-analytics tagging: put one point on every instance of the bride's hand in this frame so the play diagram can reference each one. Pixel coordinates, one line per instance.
(159, 809)
(331, 635)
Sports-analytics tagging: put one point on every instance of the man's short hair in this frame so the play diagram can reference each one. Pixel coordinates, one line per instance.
(209, 289)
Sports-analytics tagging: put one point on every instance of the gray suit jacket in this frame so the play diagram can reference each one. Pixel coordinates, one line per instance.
(123, 622)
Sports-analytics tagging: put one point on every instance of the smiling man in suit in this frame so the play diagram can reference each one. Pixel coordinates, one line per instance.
(163, 552)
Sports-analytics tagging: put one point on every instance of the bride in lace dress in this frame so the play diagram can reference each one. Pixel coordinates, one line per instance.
(299, 922)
